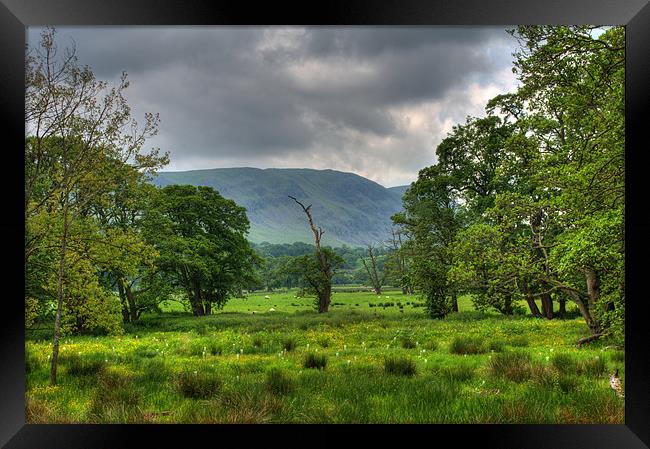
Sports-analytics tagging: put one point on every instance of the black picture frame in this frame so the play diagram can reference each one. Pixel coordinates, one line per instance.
(16, 15)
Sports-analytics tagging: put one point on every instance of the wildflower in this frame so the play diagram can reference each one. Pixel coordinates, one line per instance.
(551, 349)
(547, 358)
(237, 356)
(195, 372)
(348, 362)
(337, 354)
(345, 347)
(241, 351)
(425, 360)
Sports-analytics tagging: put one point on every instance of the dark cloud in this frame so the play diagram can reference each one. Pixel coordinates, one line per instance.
(343, 98)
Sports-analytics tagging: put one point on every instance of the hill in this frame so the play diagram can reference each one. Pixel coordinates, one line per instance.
(351, 209)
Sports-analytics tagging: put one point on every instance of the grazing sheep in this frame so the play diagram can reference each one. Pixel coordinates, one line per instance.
(267, 297)
(271, 309)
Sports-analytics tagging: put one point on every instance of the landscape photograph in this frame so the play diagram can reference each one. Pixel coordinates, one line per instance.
(338, 225)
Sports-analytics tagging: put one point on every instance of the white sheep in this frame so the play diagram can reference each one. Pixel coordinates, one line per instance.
(267, 297)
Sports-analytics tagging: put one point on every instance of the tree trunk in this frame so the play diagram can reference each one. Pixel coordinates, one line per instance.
(324, 298)
(208, 308)
(562, 302)
(532, 305)
(593, 294)
(59, 302)
(130, 296)
(454, 302)
(547, 302)
(125, 306)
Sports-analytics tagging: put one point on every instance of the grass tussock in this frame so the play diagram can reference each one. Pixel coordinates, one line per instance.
(313, 360)
(407, 343)
(289, 344)
(402, 366)
(467, 345)
(278, 382)
(79, 366)
(514, 366)
(197, 384)
(116, 399)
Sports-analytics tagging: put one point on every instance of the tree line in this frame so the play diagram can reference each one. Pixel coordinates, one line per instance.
(527, 203)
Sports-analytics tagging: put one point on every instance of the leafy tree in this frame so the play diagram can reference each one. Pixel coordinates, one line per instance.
(78, 129)
(431, 221)
(201, 238)
(309, 269)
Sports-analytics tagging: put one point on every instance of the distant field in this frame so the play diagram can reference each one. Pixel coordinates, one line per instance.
(382, 363)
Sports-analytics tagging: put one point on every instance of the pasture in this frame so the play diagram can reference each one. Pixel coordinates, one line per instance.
(369, 360)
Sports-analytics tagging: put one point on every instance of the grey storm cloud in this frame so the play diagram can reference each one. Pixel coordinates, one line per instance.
(322, 97)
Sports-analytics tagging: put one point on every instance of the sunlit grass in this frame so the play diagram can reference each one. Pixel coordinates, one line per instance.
(236, 366)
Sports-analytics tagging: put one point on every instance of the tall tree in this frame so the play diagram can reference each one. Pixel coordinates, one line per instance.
(377, 276)
(325, 263)
(77, 127)
(201, 238)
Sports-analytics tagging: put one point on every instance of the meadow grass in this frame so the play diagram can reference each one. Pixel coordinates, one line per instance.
(373, 364)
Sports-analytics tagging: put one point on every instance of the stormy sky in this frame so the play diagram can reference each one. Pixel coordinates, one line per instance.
(370, 100)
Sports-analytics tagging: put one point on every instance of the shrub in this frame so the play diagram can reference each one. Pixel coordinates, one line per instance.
(408, 343)
(289, 344)
(403, 366)
(198, 384)
(514, 366)
(313, 360)
(277, 382)
(467, 345)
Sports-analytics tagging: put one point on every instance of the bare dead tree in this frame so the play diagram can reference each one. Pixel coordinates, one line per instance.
(371, 268)
(324, 290)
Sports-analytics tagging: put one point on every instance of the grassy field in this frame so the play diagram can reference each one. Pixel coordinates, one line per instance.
(369, 360)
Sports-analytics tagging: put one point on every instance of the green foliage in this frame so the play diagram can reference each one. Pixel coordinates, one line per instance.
(201, 239)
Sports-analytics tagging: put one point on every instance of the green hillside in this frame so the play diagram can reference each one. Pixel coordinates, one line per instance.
(351, 209)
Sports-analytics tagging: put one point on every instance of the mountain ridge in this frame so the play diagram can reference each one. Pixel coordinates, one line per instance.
(351, 209)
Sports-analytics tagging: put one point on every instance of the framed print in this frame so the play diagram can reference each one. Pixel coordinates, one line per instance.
(422, 213)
